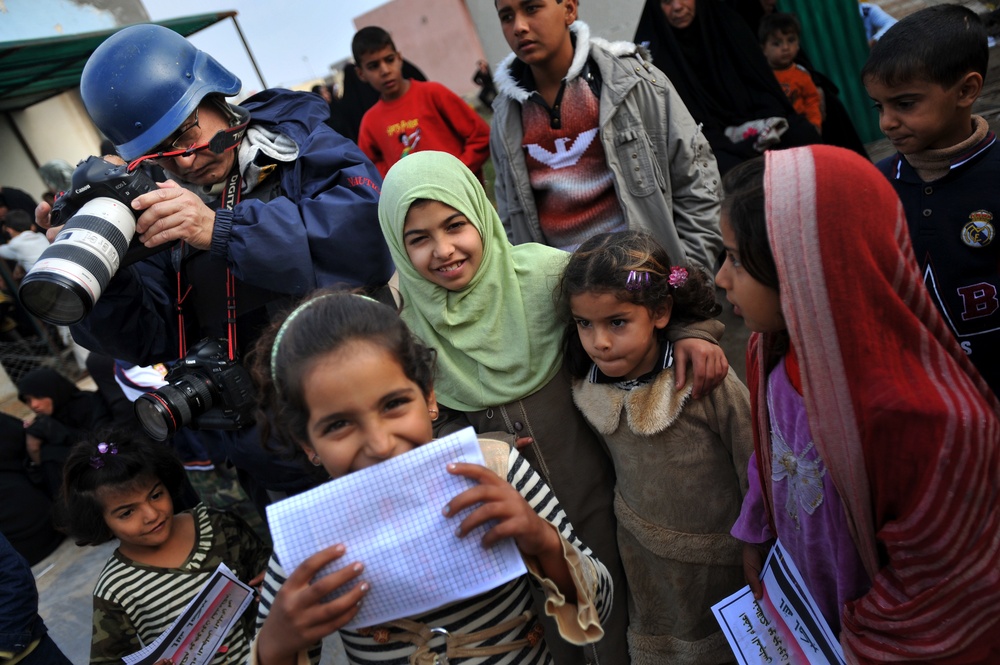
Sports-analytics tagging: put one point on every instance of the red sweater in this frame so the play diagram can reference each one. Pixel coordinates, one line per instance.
(428, 116)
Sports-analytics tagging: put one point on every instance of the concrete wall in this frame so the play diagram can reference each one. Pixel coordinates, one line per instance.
(57, 128)
(438, 36)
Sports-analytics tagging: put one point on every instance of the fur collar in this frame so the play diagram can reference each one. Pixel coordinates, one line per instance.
(508, 84)
(649, 409)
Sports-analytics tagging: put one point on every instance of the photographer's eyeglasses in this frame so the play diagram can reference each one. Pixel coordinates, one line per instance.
(185, 141)
(185, 137)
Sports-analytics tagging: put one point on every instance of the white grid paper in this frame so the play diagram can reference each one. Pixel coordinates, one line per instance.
(389, 516)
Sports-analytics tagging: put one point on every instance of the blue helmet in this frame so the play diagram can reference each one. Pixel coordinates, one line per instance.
(143, 82)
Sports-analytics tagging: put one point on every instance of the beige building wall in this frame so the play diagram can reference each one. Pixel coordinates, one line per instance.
(438, 36)
(57, 128)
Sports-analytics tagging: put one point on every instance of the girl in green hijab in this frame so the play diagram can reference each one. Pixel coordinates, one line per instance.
(489, 309)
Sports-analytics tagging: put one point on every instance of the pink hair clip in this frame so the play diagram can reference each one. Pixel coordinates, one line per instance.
(678, 276)
(97, 461)
(636, 280)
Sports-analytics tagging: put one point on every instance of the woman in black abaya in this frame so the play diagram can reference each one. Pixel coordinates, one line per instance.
(715, 63)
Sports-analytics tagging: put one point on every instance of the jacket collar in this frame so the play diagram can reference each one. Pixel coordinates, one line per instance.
(509, 76)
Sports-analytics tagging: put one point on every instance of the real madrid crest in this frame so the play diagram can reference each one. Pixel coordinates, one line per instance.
(979, 231)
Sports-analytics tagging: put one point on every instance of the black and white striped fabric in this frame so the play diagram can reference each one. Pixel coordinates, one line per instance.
(482, 611)
(135, 603)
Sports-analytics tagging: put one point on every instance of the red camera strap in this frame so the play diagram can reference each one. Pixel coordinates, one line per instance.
(229, 200)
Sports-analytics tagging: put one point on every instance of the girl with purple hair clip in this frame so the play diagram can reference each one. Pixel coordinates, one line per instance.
(680, 464)
(125, 487)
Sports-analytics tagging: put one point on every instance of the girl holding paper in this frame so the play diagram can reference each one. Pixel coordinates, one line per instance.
(877, 442)
(350, 387)
(124, 488)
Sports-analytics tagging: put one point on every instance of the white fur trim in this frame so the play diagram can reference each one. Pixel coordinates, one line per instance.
(508, 87)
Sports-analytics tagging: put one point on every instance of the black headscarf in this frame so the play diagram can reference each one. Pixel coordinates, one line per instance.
(715, 64)
(46, 382)
(720, 72)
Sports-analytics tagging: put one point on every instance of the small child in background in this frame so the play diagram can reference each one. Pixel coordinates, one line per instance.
(680, 464)
(877, 445)
(413, 115)
(24, 245)
(351, 387)
(779, 35)
(924, 75)
(125, 488)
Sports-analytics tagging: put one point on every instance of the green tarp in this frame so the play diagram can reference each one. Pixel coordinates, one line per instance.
(834, 38)
(36, 69)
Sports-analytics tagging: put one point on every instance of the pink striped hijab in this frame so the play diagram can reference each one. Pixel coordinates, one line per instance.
(908, 430)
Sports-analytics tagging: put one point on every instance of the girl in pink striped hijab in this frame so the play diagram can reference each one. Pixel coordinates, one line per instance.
(877, 444)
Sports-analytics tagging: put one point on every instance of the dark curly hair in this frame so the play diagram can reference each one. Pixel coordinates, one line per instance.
(324, 322)
(603, 264)
(137, 460)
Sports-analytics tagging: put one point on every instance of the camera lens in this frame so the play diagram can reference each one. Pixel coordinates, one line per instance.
(164, 411)
(70, 275)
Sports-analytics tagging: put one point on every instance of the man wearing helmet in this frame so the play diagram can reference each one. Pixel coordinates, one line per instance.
(263, 204)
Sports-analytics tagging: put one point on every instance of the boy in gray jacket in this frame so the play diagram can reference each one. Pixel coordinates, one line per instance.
(588, 136)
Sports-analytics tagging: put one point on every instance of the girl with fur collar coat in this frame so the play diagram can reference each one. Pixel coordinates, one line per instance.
(680, 464)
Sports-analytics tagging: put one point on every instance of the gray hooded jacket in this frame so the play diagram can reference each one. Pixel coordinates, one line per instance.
(665, 174)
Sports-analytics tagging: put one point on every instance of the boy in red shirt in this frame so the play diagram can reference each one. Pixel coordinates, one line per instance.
(779, 37)
(413, 115)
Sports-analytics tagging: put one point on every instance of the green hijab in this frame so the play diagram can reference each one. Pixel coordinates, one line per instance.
(498, 339)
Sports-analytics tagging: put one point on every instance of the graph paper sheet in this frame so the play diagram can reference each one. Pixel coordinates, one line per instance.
(389, 516)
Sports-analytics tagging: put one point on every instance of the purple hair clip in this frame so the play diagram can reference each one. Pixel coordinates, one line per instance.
(678, 276)
(97, 461)
(636, 280)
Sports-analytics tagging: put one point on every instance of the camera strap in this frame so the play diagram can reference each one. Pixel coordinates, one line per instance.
(230, 197)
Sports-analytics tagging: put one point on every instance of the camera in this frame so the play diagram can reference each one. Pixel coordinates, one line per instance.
(97, 239)
(205, 390)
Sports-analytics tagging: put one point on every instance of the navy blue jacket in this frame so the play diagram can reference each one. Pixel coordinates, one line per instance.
(320, 228)
(953, 224)
(20, 624)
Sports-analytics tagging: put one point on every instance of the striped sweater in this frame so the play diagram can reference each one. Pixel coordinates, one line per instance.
(593, 586)
(135, 603)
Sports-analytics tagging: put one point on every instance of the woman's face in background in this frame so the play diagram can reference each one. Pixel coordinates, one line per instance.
(679, 13)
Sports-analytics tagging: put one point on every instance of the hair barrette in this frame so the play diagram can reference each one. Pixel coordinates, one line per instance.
(678, 276)
(97, 461)
(636, 280)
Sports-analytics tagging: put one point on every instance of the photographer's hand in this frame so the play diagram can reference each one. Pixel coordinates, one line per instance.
(173, 213)
(42, 212)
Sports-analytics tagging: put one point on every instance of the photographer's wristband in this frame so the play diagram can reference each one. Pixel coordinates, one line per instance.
(220, 234)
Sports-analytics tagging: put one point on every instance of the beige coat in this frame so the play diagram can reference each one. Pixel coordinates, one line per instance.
(681, 469)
